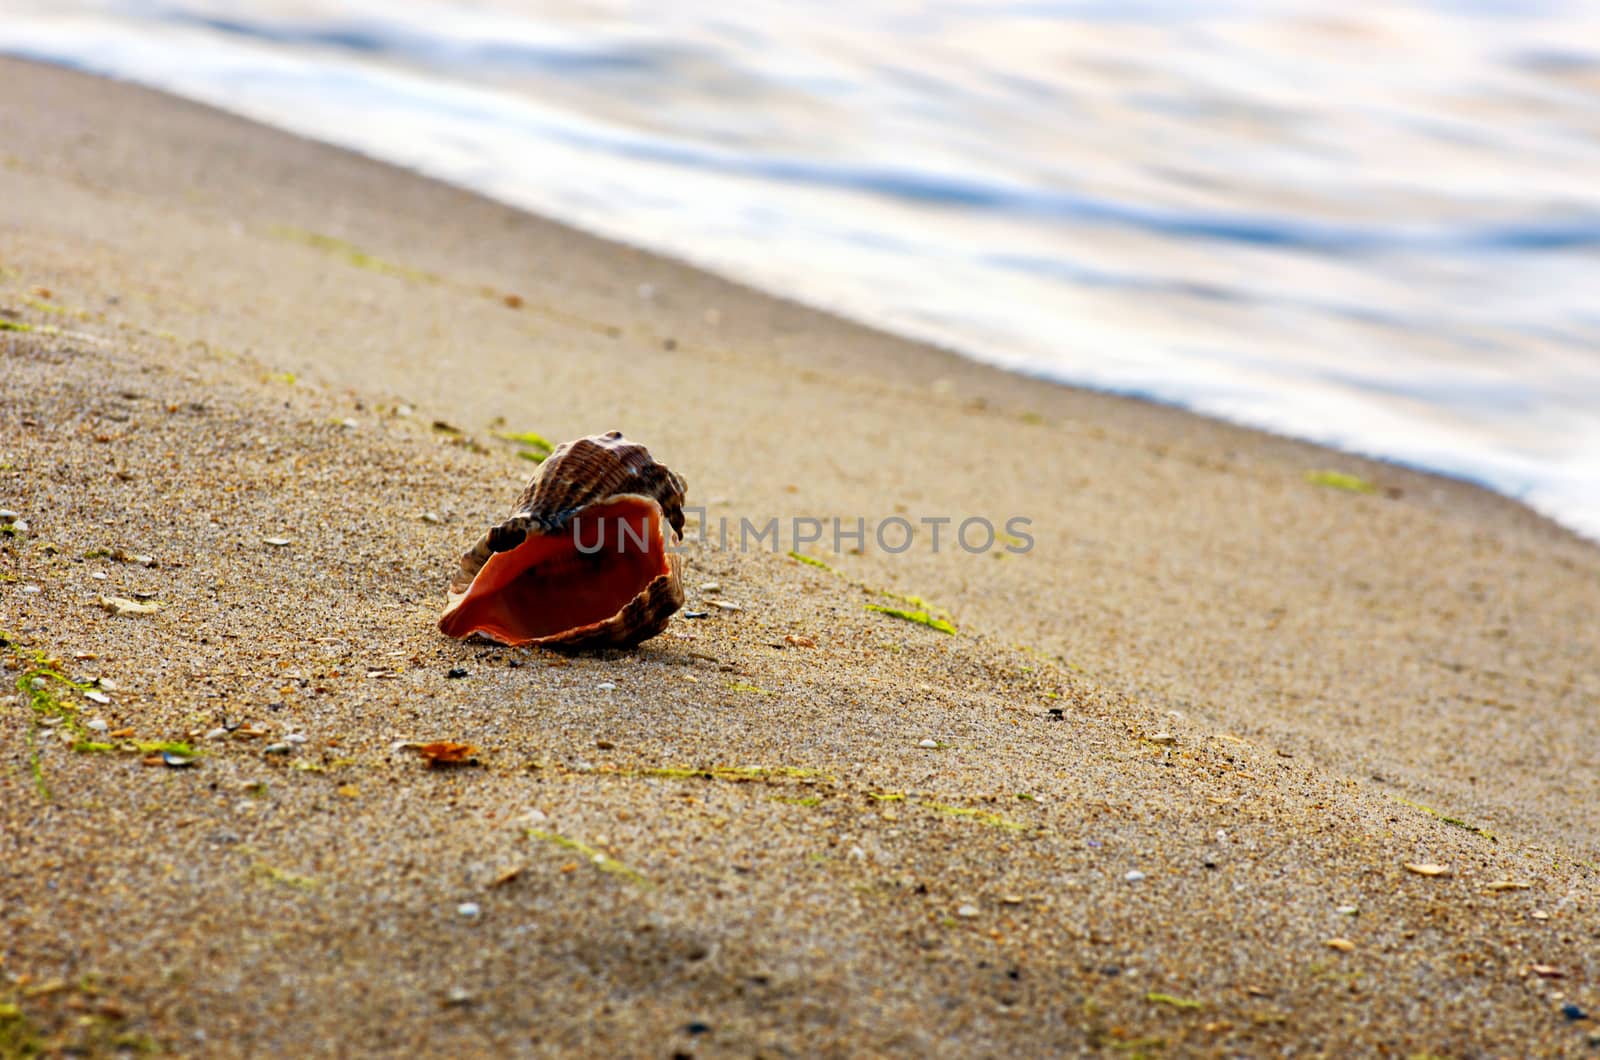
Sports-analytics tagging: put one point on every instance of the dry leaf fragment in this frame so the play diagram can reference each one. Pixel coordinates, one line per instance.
(121, 605)
(1342, 945)
(446, 753)
(506, 875)
(1426, 869)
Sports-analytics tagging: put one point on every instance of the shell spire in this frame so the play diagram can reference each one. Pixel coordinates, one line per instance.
(585, 560)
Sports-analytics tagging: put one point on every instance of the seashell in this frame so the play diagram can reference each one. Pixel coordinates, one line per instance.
(584, 560)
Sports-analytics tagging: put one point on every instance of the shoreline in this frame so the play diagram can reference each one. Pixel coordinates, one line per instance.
(1216, 704)
(1385, 435)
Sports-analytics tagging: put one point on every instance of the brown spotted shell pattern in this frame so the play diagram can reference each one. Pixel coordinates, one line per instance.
(586, 558)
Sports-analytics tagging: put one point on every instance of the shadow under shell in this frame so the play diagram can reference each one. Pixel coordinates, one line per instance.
(556, 587)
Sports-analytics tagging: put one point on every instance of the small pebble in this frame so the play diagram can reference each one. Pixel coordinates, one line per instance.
(606, 686)
(20, 525)
(349, 424)
(469, 910)
(1165, 739)
(1342, 945)
(99, 575)
(106, 683)
(276, 749)
(458, 997)
(9, 516)
(1573, 1012)
(928, 743)
(1133, 876)
(97, 697)
(1347, 910)
(276, 542)
(176, 761)
(711, 587)
(295, 737)
(726, 605)
(98, 725)
(968, 911)
(31, 589)
(696, 614)
(216, 734)
(456, 672)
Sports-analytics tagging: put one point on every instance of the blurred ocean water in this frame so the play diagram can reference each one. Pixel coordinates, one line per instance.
(1375, 226)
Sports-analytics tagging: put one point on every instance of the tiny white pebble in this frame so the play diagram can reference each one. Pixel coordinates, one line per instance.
(927, 743)
(216, 734)
(20, 525)
(967, 911)
(7, 515)
(97, 697)
(98, 725)
(858, 853)
(606, 686)
(1134, 876)
(106, 683)
(1347, 910)
(276, 542)
(349, 425)
(30, 589)
(295, 737)
(99, 575)
(469, 910)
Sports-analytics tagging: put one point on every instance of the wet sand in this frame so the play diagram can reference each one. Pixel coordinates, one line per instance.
(1217, 707)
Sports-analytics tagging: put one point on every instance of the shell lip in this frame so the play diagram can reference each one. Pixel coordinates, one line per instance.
(573, 587)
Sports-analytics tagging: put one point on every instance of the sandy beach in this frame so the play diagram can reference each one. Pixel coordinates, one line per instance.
(1259, 749)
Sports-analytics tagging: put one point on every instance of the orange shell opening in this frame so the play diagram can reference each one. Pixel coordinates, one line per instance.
(548, 586)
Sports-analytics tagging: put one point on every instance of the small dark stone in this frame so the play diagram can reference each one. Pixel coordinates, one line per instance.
(1209, 863)
(1056, 714)
(456, 671)
(698, 1028)
(1573, 1012)
(1111, 969)
(512, 664)
(696, 614)
(669, 344)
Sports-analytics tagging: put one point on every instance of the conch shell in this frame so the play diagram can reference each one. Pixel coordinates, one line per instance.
(586, 558)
